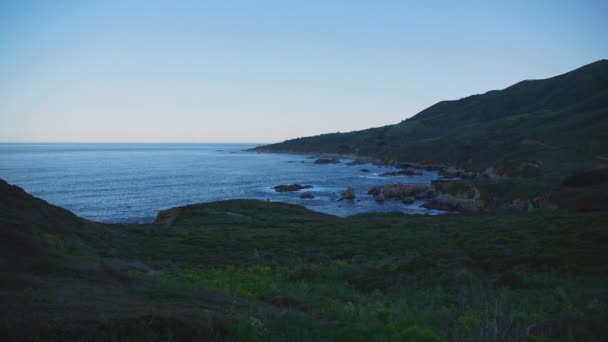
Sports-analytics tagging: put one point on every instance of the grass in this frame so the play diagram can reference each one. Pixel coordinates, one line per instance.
(252, 270)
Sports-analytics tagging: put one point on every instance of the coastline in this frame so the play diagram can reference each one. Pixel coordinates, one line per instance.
(108, 190)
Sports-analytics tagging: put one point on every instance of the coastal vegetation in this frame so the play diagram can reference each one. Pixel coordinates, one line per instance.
(254, 270)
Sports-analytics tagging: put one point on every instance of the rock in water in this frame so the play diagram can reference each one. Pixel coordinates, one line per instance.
(307, 195)
(407, 200)
(327, 161)
(405, 172)
(291, 187)
(361, 160)
(349, 195)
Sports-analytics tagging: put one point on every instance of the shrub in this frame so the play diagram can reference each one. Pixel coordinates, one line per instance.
(509, 279)
(466, 324)
(418, 334)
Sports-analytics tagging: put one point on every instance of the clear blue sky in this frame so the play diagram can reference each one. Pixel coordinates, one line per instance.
(262, 71)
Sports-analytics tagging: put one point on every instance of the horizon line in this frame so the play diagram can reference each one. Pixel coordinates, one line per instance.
(135, 142)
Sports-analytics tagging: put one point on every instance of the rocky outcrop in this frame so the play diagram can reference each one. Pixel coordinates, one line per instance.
(307, 195)
(454, 172)
(520, 168)
(408, 200)
(168, 216)
(459, 196)
(455, 203)
(455, 196)
(327, 161)
(455, 188)
(348, 195)
(419, 166)
(493, 172)
(399, 191)
(504, 169)
(360, 161)
(543, 202)
(540, 202)
(442, 185)
(405, 172)
(290, 187)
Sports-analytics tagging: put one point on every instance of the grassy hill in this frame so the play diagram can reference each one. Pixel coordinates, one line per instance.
(561, 122)
(253, 270)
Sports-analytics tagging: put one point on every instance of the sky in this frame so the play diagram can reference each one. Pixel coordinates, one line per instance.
(265, 71)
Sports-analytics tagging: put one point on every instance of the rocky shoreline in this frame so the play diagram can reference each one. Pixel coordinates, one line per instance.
(455, 191)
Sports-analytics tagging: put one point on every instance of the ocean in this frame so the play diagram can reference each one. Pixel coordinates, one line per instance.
(130, 183)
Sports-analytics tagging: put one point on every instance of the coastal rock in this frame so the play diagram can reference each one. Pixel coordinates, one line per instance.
(405, 172)
(408, 166)
(520, 168)
(492, 172)
(450, 172)
(459, 196)
(168, 216)
(360, 161)
(455, 188)
(307, 195)
(290, 187)
(541, 202)
(471, 193)
(512, 205)
(398, 191)
(327, 161)
(455, 172)
(417, 166)
(431, 167)
(425, 194)
(407, 200)
(454, 203)
(349, 195)
(442, 185)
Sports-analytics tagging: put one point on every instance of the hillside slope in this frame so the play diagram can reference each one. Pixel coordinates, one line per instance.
(253, 270)
(561, 122)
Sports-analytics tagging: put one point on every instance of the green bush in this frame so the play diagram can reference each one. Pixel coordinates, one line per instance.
(418, 334)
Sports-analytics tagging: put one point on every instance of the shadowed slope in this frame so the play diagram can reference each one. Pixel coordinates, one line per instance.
(21, 211)
(66, 278)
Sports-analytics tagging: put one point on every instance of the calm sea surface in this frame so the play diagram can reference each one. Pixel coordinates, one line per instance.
(132, 182)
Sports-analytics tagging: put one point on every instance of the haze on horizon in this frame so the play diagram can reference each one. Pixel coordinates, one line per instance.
(265, 71)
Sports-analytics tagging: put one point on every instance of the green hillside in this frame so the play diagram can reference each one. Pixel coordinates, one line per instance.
(260, 271)
(561, 122)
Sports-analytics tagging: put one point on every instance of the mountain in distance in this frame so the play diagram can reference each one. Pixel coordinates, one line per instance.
(559, 123)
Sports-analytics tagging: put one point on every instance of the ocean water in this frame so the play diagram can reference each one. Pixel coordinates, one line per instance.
(132, 182)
